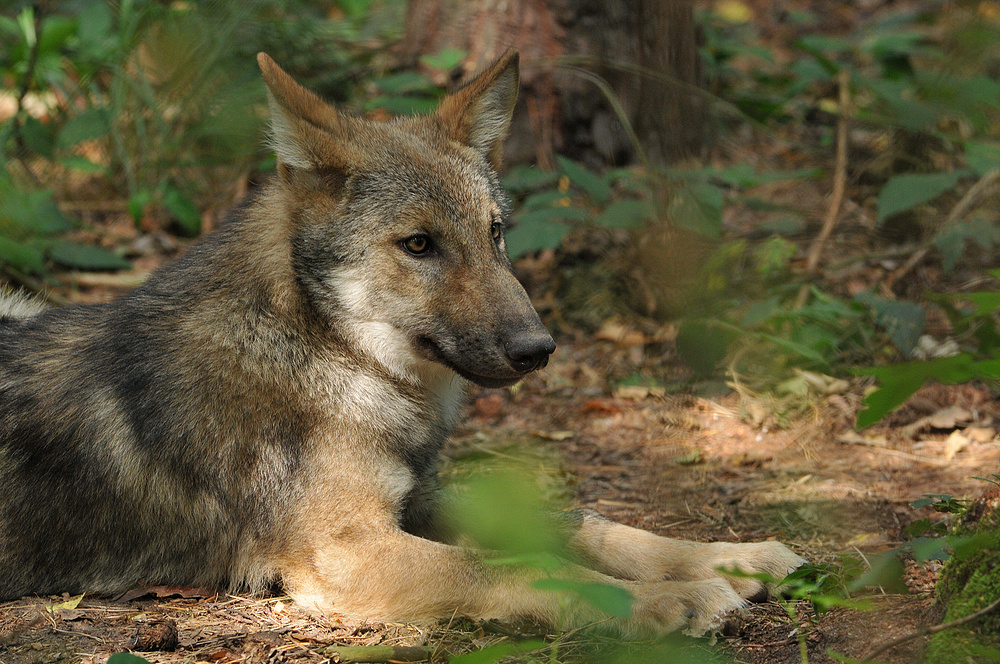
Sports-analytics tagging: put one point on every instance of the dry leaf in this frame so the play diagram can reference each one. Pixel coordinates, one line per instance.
(69, 604)
(946, 418)
(616, 331)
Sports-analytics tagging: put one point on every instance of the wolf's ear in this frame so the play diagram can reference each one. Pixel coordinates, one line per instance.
(306, 133)
(479, 114)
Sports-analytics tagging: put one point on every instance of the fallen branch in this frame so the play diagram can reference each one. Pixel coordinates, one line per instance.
(377, 654)
(927, 631)
(839, 186)
(961, 208)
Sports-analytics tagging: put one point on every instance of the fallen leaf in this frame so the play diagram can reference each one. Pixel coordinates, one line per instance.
(595, 406)
(946, 418)
(68, 604)
(489, 406)
(614, 330)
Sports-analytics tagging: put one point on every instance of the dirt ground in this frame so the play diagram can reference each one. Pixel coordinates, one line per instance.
(687, 466)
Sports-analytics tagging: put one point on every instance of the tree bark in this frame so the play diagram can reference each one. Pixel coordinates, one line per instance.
(643, 51)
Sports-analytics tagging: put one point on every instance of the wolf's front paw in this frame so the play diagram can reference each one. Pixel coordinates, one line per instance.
(695, 607)
(771, 558)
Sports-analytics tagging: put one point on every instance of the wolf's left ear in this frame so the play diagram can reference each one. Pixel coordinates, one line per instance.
(478, 114)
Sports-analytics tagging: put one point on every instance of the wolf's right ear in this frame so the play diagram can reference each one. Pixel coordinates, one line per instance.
(478, 115)
(306, 133)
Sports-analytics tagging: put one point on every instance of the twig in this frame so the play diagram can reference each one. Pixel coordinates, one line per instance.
(927, 631)
(377, 653)
(960, 209)
(839, 186)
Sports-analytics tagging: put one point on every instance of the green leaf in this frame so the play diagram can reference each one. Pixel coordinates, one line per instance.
(34, 211)
(885, 571)
(614, 601)
(522, 179)
(903, 321)
(698, 207)
(444, 60)
(37, 137)
(982, 157)
(951, 243)
(90, 124)
(183, 210)
(96, 23)
(56, 32)
(900, 381)
(588, 182)
(81, 164)
(488, 655)
(85, 256)
(21, 256)
(546, 215)
(545, 199)
(532, 234)
(402, 105)
(355, 8)
(126, 658)
(626, 213)
(904, 192)
(703, 344)
(986, 302)
(404, 83)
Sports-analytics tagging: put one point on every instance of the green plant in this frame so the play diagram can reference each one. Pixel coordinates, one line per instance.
(924, 90)
(157, 103)
(974, 321)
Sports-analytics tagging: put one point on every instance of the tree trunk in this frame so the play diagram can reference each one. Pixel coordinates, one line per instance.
(573, 54)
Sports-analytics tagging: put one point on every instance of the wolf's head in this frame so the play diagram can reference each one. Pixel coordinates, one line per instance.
(398, 228)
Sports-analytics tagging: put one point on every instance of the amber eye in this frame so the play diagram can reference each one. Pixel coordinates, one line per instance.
(417, 244)
(496, 230)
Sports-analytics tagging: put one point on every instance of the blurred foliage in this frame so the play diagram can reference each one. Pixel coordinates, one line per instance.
(159, 103)
(974, 322)
(923, 117)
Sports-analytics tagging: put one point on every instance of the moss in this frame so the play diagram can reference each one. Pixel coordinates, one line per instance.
(969, 582)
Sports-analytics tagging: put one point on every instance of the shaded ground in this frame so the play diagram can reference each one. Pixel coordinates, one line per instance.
(681, 465)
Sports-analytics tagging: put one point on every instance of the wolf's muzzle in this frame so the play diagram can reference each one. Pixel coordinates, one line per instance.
(527, 351)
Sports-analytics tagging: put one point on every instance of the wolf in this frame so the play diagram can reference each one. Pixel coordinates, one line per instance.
(272, 406)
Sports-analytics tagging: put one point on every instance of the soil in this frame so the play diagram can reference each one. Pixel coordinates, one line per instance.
(703, 468)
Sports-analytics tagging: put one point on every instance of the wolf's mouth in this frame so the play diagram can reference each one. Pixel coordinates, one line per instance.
(432, 351)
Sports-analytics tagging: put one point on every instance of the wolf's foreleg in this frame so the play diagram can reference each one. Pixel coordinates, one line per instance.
(398, 576)
(631, 553)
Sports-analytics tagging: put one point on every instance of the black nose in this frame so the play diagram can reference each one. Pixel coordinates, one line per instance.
(528, 351)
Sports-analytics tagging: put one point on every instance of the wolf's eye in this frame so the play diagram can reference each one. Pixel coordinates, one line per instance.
(417, 244)
(496, 230)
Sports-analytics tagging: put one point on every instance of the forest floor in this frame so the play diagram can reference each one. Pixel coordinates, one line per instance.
(701, 468)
